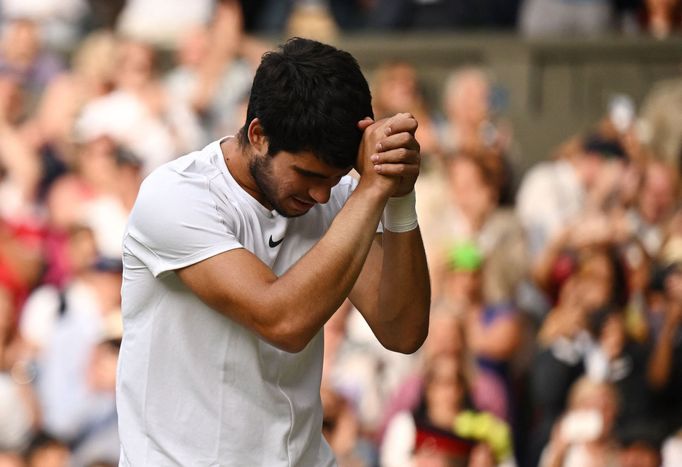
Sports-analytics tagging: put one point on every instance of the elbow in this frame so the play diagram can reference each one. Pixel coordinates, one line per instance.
(407, 345)
(286, 338)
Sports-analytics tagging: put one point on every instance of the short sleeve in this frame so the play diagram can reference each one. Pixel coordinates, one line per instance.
(176, 222)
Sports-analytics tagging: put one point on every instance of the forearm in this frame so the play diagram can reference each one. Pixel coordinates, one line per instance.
(298, 303)
(404, 292)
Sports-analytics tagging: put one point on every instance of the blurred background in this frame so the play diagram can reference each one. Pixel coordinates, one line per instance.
(549, 203)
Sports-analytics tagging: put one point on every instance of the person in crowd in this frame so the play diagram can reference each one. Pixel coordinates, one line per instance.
(442, 430)
(661, 117)
(470, 213)
(21, 166)
(396, 88)
(210, 81)
(493, 330)
(564, 341)
(97, 193)
(664, 371)
(90, 76)
(73, 401)
(654, 206)
(474, 126)
(342, 430)
(446, 337)
(584, 435)
(555, 194)
(135, 112)
(58, 22)
(23, 55)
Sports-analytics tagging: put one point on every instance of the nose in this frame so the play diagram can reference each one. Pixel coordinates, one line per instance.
(320, 194)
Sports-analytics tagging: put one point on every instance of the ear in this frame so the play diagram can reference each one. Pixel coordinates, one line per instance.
(257, 137)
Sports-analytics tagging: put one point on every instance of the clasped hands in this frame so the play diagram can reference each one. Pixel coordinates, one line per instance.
(389, 153)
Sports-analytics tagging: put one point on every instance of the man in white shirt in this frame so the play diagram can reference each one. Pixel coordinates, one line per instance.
(236, 255)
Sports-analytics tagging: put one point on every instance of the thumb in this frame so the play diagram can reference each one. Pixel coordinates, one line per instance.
(364, 123)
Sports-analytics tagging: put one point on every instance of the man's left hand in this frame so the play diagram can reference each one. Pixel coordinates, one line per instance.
(397, 154)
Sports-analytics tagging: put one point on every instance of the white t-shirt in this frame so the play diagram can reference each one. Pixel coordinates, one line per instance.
(194, 387)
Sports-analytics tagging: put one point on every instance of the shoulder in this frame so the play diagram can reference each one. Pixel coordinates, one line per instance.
(178, 180)
(179, 195)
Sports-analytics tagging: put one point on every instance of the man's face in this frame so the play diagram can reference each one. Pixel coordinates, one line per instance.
(293, 183)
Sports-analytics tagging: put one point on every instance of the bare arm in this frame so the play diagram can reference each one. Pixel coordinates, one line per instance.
(393, 293)
(289, 310)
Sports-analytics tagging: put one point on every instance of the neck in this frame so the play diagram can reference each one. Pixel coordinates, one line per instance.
(237, 161)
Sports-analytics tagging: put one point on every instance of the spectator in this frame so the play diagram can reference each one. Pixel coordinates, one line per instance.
(662, 117)
(22, 54)
(58, 20)
(341, 429)
(21, 167)
(90, 76)
(446, 337)
(73, 401)
(441, 430)
(665, 365)
(209, 84)
(493, 330)
(396, 88)
(96, 194)
(134, 113)
(584, 435)
(654, 206)
(473, 127)
(467, 210)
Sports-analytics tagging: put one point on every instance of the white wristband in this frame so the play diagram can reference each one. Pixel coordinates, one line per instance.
(400, 214)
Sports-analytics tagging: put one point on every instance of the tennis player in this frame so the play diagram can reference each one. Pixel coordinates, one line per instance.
(236, 255)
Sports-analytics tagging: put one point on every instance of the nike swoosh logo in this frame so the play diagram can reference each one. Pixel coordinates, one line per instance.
(274, 244)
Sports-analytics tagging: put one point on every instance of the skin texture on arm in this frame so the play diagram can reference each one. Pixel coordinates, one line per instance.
(289, 310)
(393, 292)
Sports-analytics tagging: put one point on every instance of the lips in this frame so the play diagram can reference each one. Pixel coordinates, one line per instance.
(303, 204)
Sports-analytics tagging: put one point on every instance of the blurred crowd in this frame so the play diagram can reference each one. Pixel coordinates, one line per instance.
(556, 324)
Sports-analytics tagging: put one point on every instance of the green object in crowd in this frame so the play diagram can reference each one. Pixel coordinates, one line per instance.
(464, 256)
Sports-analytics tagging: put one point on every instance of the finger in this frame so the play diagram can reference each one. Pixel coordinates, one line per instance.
(400, 123)
(397, 170)
(399, 140)
(396, 156)
(364, 123)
